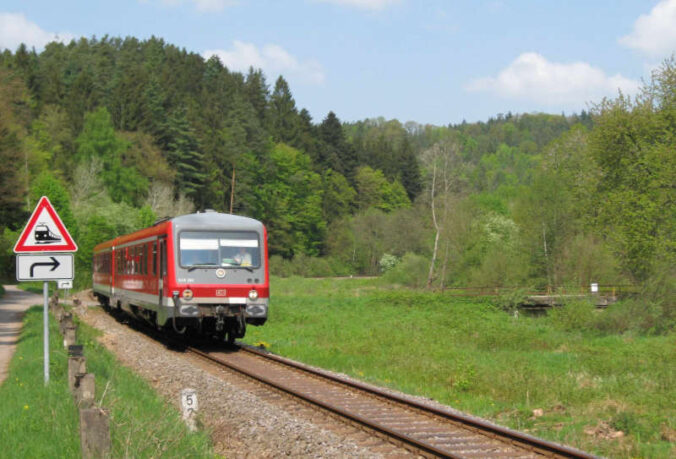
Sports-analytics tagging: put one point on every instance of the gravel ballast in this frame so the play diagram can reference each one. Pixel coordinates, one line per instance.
(244, 421)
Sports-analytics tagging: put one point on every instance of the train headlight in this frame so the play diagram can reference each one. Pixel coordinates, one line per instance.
(187, 294)
(253, 295)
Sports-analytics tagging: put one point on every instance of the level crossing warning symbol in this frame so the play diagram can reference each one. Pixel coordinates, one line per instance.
(45, 232)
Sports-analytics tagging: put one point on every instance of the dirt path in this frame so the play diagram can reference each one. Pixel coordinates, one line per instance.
(12, 307)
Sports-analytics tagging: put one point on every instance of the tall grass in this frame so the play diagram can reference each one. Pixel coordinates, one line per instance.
(474, 356)
(39, 421)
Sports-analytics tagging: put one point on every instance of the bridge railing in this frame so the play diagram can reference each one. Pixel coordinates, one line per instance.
(617, 290)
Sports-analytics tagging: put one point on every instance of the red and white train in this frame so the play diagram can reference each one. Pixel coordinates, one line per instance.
(205, 272)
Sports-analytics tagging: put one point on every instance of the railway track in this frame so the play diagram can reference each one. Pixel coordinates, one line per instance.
(416, 426)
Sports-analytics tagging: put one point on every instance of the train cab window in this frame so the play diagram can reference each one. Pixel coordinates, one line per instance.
(219, 249)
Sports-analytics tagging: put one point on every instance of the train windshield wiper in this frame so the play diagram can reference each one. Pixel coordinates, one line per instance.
(205, 265)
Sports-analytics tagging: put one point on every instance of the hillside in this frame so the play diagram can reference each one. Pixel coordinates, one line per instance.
(118, 132)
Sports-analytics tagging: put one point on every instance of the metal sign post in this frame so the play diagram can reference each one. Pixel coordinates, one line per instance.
(43, 237)
(45, 315)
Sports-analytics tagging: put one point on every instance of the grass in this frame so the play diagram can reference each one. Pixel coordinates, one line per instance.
(469, 354)
(36, 287)
(39, 421)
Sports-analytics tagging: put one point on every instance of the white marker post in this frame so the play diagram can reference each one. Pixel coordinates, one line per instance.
(44, 238)
(189, 408)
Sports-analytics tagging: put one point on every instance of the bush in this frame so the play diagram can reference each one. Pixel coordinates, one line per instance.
(305, 266)
(338, 267)
(280, 266)
(411, 271)
(573, 316)
(387, 262)
(312, 266)
(637, 315)
(510, 301)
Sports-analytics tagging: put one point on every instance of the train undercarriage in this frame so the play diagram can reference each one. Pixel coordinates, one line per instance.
(223, 323)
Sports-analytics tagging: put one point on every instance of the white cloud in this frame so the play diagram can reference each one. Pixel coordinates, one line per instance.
(371, 5)
(655, 33)
(213, 5)
(532, 77)
(204, 6)
(271, 58)
(16, 29)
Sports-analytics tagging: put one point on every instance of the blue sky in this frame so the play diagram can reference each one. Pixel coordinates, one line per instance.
(430, 61)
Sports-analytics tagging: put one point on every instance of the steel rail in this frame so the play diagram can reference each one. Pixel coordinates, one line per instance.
(482, 425)
(503, 434)
(315, 401)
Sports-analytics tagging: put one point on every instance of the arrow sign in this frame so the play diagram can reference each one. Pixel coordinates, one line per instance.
(44, 267)
(54, 264)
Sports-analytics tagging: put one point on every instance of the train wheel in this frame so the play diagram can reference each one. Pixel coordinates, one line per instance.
(230, 337)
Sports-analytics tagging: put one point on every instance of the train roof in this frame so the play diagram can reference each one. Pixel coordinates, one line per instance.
(208, 220)
(216, 220)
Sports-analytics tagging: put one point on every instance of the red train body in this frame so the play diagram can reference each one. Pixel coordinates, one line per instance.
(204, 272)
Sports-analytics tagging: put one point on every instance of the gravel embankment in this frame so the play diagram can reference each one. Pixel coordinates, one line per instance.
(244, 422)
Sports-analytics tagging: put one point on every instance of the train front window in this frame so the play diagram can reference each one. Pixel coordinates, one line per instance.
(219, 249)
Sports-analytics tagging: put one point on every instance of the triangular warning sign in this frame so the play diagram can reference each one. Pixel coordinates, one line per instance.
(45, 232)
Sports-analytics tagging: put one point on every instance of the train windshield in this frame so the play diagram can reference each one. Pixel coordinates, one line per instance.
(219, 249)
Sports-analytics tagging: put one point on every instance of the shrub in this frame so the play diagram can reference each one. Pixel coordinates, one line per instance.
(411, 271)
(508, 302)
(280, 266)
(637, 315)
(573, 316)
(388, 261)
(312, 266)
(338, 267)
(306, 266)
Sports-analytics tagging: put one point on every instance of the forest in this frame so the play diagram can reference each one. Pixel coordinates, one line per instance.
(119, 132)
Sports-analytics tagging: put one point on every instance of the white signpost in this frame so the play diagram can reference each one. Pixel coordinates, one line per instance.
(40, 257)
(64, 284)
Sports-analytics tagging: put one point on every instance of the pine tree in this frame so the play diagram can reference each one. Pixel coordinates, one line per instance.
(257, 93)
(284, 121)
(337, 154)
(184, 155)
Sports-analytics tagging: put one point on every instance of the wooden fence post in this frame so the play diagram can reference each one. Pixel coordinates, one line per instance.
(85, 390)
(94, 433)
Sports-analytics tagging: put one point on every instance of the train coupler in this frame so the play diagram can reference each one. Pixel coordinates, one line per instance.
(219, 312)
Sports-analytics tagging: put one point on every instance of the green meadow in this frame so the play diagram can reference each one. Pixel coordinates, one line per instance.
(38, 421)
(590, 380)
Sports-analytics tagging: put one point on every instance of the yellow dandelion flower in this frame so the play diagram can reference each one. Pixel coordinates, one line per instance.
(25, 407)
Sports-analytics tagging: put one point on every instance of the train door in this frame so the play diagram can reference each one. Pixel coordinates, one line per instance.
(163, 268)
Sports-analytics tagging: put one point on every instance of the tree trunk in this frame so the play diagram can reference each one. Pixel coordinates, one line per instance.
(436, 227)
(544, 239)
(232, 189)
(443, 266)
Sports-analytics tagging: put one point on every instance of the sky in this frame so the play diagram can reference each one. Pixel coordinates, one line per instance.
(429, 61)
